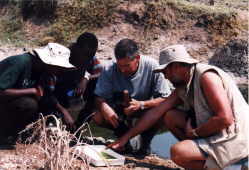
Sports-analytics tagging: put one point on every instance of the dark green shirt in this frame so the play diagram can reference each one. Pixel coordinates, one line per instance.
(15, 72)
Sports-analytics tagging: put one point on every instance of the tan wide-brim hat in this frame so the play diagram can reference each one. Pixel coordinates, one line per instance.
(54, 54)
(174, 53)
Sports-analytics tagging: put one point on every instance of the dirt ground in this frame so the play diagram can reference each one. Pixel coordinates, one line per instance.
(199, 42)
(12, 159)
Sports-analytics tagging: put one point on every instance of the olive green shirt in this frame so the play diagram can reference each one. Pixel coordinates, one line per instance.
(15, 72)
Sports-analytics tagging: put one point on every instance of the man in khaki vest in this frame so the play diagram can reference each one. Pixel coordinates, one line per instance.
(213, 120)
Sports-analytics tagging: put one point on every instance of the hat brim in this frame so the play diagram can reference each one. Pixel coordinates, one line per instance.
(160, 68)
(43, 54)
(163, 66)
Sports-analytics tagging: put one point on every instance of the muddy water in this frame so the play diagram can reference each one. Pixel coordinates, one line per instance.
(160, 144)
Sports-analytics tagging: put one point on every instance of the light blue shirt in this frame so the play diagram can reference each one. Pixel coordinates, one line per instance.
(143, 85)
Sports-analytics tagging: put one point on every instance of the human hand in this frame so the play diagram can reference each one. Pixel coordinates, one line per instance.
(39, 92)
(134, 106)
(69, 121)
(66, 116)
(80, 90)
(118, 145)
(112, 118)
(189, 129)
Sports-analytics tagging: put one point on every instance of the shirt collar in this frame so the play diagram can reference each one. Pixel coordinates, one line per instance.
(187, 88)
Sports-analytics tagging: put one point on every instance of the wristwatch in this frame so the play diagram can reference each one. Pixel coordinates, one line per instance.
(194, 133)
(142, 105)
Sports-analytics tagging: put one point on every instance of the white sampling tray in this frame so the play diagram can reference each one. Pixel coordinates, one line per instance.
(100, 155)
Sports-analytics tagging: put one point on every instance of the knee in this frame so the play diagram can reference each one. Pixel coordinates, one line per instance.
(32, 105)
(98, 118)
(176, 154)
(182, 153)
(24, 105)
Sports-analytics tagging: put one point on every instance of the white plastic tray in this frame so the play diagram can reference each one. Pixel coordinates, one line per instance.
(94, 154)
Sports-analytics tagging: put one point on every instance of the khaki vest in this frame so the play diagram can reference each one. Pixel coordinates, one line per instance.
(231, 144)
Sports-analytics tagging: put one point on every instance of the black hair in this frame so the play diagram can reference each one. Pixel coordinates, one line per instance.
(87, 39)
(86, 44)
(125, 48)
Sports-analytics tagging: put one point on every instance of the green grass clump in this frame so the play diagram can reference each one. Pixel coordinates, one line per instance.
(11, 30)
(39, 8)
(66, 19)
(84, 15)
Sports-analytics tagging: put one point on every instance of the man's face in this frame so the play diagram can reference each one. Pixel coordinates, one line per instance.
(128, 66)
(56, 70)
(173, 74)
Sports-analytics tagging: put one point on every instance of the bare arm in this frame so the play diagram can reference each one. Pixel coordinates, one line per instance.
(108, 113)
(149, 119)
(135, 105)
(66, 115)
(153, 102)
(217, 100)
(13, 93)
(80, 89)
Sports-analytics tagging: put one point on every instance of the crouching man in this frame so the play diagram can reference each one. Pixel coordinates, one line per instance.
(134, 73)
(213, 124)
(26, 85)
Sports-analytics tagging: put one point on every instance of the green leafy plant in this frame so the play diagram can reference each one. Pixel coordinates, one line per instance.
(39, 8)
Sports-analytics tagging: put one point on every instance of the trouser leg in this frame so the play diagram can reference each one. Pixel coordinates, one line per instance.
(16, 114)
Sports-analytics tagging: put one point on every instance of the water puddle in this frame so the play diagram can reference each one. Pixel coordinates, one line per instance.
(161, 143)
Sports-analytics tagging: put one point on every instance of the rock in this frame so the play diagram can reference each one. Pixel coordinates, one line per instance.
(233, 58)
(244, 90)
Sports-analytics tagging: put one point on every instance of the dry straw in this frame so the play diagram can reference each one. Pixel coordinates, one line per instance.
(55, 148)
(54, 143)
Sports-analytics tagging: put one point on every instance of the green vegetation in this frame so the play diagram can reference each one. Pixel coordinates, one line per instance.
(84, 15)
(44, 9)
(12, 30)
(65, 19)
(171, 13)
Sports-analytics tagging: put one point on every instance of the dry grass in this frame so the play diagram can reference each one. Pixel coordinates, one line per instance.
(50, 147)
(53, 145)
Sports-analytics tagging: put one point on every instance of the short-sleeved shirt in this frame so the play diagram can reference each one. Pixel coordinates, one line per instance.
(143, 85)
(15, 72)
(69, 80)
(94, 66)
